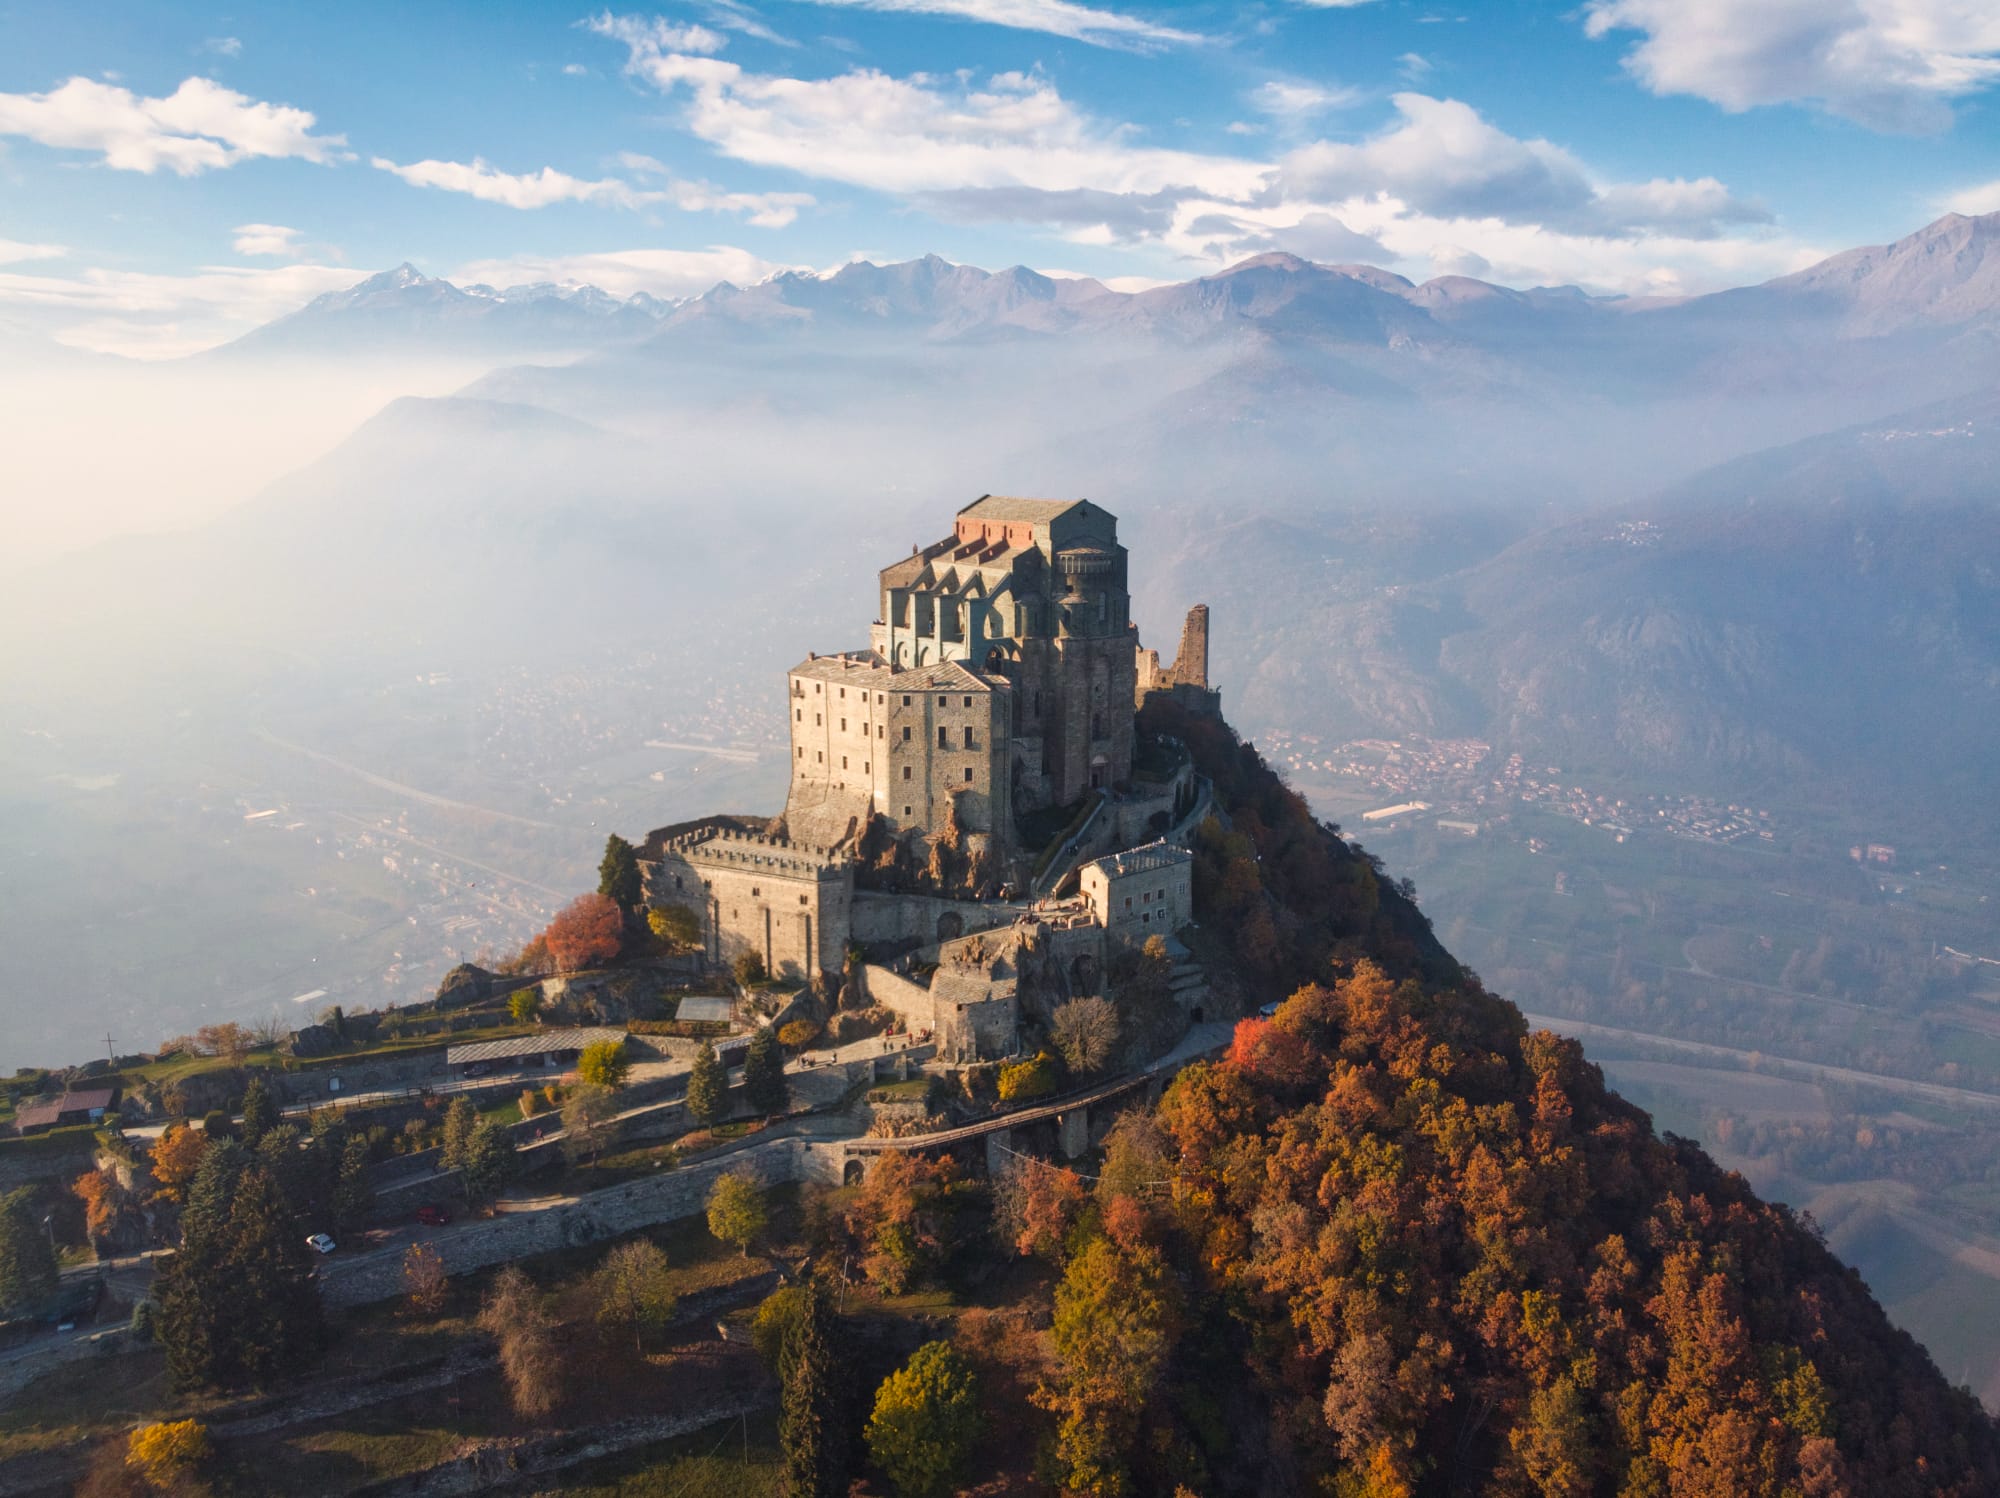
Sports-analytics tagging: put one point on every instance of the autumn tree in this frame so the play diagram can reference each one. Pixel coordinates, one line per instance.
(749, 968)
(260, 1112)
(604, 1063)
(812, 1415)
(925, 1422)
(166, 1454)
(707, 1087)
(634, 1289)
(425, 1284)
(1116, 1320)
(908, 1218)
(675, 927)
(176, 1156)
(28, 1270)
(736, 1211)
(515, 1316)
(1023, 1080)
(524, 1005)
(618, 874)
(107, 1205)
(764, 1086)
(1085, 1032)
(229, 1040)
(1036, 1206)
(586, 932)
(771, 1326)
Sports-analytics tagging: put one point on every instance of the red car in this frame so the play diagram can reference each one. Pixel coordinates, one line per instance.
(433, 1217)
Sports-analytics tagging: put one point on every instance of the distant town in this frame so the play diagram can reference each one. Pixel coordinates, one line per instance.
(1463, 785)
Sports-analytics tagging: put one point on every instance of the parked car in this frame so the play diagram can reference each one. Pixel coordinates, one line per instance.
(433, 1216)
(319, 1243)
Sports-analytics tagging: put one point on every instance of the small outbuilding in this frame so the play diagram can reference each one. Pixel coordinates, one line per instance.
(87, 1106)
(550, 1049)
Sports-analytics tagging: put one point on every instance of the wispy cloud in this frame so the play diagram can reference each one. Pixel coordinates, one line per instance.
(1985, 198)
(13, 252)
(1082, 23)
(148, 316)
(266, 239)
(200, 126)
(1286, 100)
(223, 46)
(663, 273)
(530, 190)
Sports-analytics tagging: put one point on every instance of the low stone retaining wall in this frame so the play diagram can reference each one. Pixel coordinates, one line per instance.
(601, 1215)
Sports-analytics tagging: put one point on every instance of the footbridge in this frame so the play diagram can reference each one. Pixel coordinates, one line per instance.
(1070, 1112)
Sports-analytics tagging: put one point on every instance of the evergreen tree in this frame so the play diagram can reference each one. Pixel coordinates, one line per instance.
(237, 1304)
(260, 1112)
(27, 1262)
(353, 1197)
(487, 1162)
(460, 1119)
(811, 1420)
(618, 874)
(708, 1086)
(275, 1324)
(764, 1074)
(303, 1173)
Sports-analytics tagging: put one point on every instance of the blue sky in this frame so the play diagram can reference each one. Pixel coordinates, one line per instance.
(172, 173)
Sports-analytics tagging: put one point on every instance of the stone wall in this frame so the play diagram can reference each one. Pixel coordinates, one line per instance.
(925, 918)
(912, 1002)
(596, 1218)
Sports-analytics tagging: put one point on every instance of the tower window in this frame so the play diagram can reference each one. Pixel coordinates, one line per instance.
(843, 761)
(799, 713)
(944, 738)
(906, 699)
(906, 772)
(906, 733)
(968, 736)
(843, 725)
(968, 774)
(968, 702)
(906, 811)
(802, 754)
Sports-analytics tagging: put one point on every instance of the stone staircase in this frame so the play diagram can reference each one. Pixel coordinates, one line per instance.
(1189, 986)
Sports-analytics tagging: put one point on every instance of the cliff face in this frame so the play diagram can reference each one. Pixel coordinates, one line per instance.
(1395, 1244)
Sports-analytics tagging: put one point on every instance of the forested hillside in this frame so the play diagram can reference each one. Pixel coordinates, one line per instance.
(1395, 1244)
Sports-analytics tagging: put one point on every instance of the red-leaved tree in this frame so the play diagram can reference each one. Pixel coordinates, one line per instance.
(585, 932)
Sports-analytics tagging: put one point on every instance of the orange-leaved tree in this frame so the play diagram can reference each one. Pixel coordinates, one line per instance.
(587, 931)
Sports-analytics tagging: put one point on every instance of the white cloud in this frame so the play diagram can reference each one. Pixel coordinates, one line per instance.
(655, 35)
(266, 239)
(1331, 4)
(1442, 159)
(1974, 201)
(1300, 101)
(661, 273)
(1439, 186)
(921, 134)
(766, 210)
(1081, 23)
(13, 252)
(223, 46)
(1888, 64)
(575, 70)
(146, 316)
(514, 190)
(199, 126)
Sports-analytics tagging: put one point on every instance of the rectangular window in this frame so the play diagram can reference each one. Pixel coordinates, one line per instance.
(968, 702)
(944, 702)
(843, 761)
(906, 772)
(968, 736)
(906, 733)
(799, 713)
(1128, 902)
(817, 720)
(843, 725)
(944, 738)
(802, 754)
(864, 767)
(843, 694)
(968, 774)
(818, 757)
(878, 730)
(906, 699)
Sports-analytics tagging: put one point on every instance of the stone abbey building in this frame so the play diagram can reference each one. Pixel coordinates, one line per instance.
(1001, 679)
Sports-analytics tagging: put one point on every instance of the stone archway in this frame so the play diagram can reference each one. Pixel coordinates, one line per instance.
(852, 1173)
(950, 926)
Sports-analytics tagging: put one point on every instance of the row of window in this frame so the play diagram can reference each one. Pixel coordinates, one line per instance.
(880, 698)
